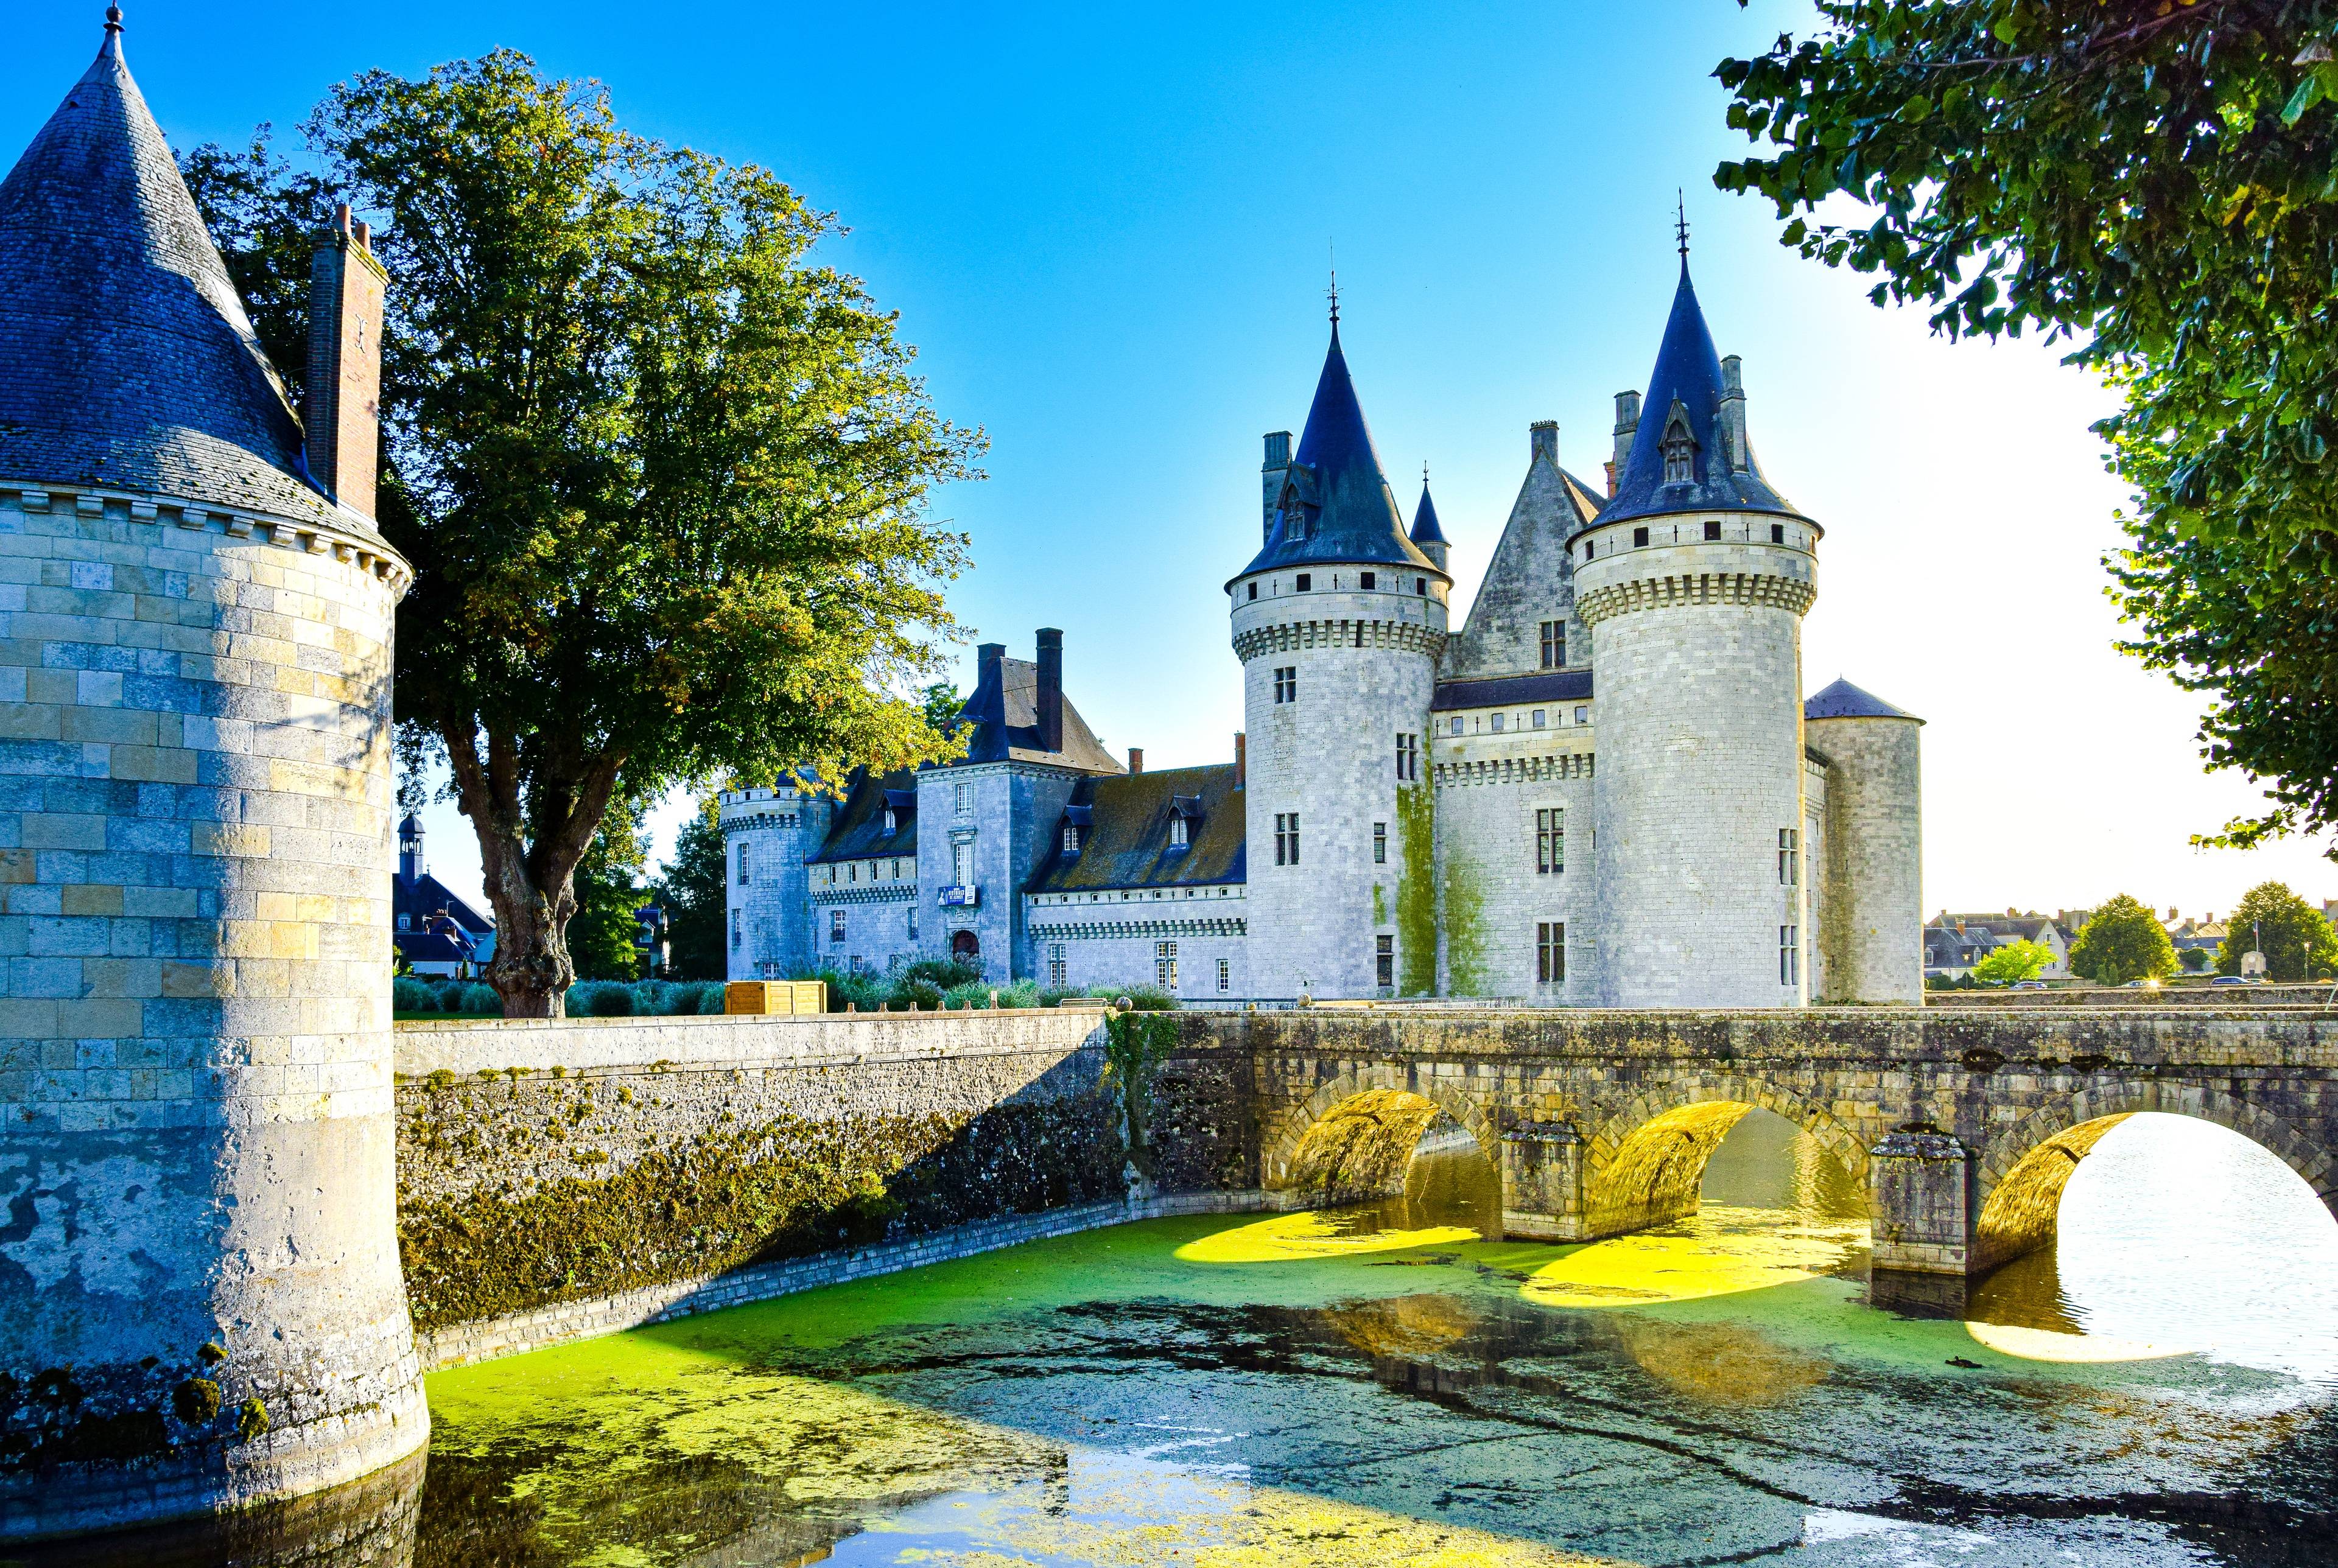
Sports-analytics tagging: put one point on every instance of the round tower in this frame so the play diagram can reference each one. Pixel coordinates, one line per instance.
(1339, 621)
(199, 1297)
(1870, 922)
(1693, 579)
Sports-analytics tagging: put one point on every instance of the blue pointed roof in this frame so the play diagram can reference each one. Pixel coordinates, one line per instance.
(126, 360)
(1687, 381)
(1425, 530)
(1845, 701)
(1336, 485)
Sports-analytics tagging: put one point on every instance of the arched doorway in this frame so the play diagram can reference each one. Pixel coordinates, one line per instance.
(965, 947)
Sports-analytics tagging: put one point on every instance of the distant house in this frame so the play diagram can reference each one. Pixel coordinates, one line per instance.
(434, 931)
(1953, 943)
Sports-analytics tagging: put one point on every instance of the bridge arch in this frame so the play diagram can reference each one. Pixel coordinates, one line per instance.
(1646, 1161)
(1279, 1160)
(2024, 1170)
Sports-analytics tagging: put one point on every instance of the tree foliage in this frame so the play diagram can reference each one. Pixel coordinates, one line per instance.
(2012, 961)
(608, 890)
(2156, 184)
(2122, 941)
(662, 477)
(690, 889)
(2298, 941)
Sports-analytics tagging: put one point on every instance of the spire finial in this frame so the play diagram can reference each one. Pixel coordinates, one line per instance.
(1424, 476)
(1335, 281)
(113, 18)
(1680, 219)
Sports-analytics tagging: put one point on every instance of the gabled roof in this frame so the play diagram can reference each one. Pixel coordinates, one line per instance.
(1687, 373)
(857, 832)
(426, 895)
(1425, 530)
(1531, 577)
(1845, 701)
(1335, 482)
(126, 360)
(1126, 841)
(1549, 686)
(1005, 714)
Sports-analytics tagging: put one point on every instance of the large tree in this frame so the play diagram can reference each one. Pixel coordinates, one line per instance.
(662, 477)
(691, 888)
(2151, 182)
(2122, 941)
(2293, 936)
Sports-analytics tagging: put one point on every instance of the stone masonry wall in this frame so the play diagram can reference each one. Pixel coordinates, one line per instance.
(591, 1173)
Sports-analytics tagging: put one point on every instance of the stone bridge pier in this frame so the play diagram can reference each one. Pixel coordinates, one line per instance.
(1961, 1126)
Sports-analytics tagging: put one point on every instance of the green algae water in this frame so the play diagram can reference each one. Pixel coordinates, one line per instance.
(1387, 1384)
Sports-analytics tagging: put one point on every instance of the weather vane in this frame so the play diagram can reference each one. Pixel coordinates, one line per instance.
(1680, 221)
(1335, 281)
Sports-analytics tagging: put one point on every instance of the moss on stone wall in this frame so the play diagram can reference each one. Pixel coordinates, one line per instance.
(1464, 901)
(1416, 890)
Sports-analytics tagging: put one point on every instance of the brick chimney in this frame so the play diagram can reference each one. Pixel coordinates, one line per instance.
(1241, 760)
(1610, 467)
(1136, 759)
(343, 402)
(1049, 700)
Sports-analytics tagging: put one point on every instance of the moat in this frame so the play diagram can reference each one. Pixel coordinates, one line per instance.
(1385, 1385)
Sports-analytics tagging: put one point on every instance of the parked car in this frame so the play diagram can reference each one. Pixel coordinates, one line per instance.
(2032, 986)
(2231, 980)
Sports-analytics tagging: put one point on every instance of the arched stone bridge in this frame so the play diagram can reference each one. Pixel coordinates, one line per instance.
(1962, 1125)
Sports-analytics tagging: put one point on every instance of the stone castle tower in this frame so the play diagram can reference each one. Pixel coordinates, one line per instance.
(1692, 580)
(199, 1297)
(1338, 621)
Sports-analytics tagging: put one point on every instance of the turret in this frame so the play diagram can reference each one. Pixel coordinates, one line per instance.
(1869, 874)
(1693, 579)
(1427, 537)
(1338, 621)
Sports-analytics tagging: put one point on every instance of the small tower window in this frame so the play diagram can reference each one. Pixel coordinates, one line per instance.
(1253, 589)
(1777, 532)
(1306, 582)
(1294, 518)
(1553, 644)
(1711, 528)
(1408, 758)
(1639, 538)
(1588, 547)
(742, 864)
(1790, 855)
(1550, 951)
(1420, 586)
(1371, 580)
(1286, 683)
(1680, 456)
(1380, 843)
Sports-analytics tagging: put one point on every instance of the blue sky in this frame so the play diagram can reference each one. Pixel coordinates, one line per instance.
(1107, 236)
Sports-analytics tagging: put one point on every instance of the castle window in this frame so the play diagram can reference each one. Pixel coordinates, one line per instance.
(913, 920)
(1539, 716)
(962, 795)
(1164, 966)
(1384, 962)
(897, 869)
(1176, 832)
(1408, 758)
(836, 928)
(1225, 976)
(1588, 547)
(1553, 644)
(1583, 715)
(1639, 538)
(1790, 956)
(1380, 843)
(1306, 582)
(1457, 723)
(1294, 518)
(1055, 966)
(737, 929)
(742, 864)
(852, 871)
(1499, 718)
(1286, 683)
(1790, 855)
(1253, 589)
(1712, 529)
(1371, 580)
(1286, 838)
(1680, 458)
(1777, 532)
(891, 826)
(1550, 840)
(1420, 586)
(1071, 839)
(406, 921)
(1550, 951)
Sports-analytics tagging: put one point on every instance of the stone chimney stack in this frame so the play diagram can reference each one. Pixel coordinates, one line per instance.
(1050, 699)
(1278, 462)
(1135, 760)
(1627, 419)
(343, 404)
(1241, 760)
(1542, 442)
(1733, 414)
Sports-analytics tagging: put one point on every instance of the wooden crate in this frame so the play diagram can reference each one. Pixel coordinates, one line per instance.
(775, 997)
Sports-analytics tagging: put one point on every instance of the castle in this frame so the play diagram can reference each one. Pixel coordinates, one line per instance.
(1605, 789)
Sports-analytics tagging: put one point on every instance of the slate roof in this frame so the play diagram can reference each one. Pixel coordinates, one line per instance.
(424, 896)
(1005, 714)
(1503, 690)
(1845, 701)
(1127, 844)
(1425, 530)
(1687, 373)
(1336, 481)
(126, 360)
(857, 832)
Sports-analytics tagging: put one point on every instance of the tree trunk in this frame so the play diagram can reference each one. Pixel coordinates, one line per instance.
(531, 837)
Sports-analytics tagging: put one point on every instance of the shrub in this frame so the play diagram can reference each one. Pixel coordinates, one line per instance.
(612, 1000)
(862, 991)
(481, 1001)
(969, 993)
(711, 998)
(942, 974)
(1142, 998)
(409, 995)
(920, 994)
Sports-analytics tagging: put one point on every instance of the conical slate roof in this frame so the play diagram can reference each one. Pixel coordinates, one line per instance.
(1337, 485)
(126, 361)
(1686, 380)
(1845, 701)
(1425, 530)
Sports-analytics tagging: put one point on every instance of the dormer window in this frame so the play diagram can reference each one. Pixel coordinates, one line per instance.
(891, 827)
(1294, 515)
(1071, 839)
(1177, 840)
(1680, 460)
